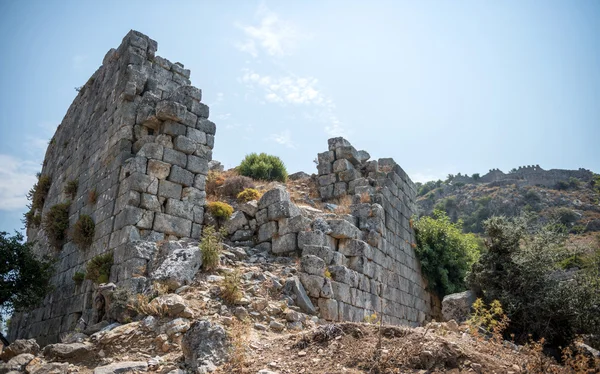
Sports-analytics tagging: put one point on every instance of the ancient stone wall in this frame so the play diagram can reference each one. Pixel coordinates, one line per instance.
(530, 175)
(373, 268)
(138, 141)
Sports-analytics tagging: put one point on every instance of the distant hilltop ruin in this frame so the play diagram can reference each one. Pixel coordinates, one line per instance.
(530, 175)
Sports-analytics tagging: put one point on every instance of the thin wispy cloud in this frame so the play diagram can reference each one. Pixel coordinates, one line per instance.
(284, 138)
(16, 178)
(287, 89)
(272, 35)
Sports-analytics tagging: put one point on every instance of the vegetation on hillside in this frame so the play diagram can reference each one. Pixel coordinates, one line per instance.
(264, 167)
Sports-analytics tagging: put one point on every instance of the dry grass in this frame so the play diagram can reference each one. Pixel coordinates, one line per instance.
(365, 198)
(343, 204)
(93, 197)
(238, 356)
(146, 307)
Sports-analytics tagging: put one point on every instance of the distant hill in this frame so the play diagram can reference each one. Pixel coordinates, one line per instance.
(571, 196)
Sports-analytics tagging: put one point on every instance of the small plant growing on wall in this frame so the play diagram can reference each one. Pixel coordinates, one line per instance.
(38, 193)
(93, 197)
(83, 231)
(32, 220)
(220, 210)
(78, 277)
(56, 223)
(71, 189)
(98, 268)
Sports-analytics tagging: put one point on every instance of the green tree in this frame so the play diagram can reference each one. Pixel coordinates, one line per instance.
(522, 269)
(24, 278)
(445, 252)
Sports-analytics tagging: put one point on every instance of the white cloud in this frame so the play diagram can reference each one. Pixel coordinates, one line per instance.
(287, 89)
(222, 116)
(16, 178)
(272, 35)
(284, 138)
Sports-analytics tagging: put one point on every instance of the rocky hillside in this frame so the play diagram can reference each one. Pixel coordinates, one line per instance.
(574, 202)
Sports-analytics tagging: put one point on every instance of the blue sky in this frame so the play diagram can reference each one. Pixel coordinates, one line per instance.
(442, 87)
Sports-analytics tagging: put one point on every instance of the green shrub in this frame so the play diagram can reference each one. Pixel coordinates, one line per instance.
(83, 231)
(56, 223)
(71, 189)
(445, 252)
(522, 268)
(248, 194)
(264, 167)
(32, 220)
(210, 246)
(38, 193)
(98, 268)
(220, 210)
(78, 277)
(565, 216)
(476, 176)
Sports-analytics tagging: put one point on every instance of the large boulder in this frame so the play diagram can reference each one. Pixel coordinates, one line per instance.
(173, 305)
(293, 287)
(205, 345)
(457, 306)
(122, 367)
(19, 347)
(62, 351)
(16, 363)
(179, 268)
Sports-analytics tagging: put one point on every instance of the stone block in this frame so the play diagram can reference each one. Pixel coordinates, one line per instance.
(179, 208)
(199, 109)
(328, 309)
(340, 189)
(295, 224)
(197, 165)
(326, 157)
(198, 136)
(344, 275)
(206, 126)
(266, 231)
(173, 129)
(184, 144)
(312, 284)
(355, 247)
(261, 217)
(165, 140)
(151, 151)
(174, 157)
(327, 179)
(311, 238)
(200, 182)
(194, 196)
(136, 182)
(181, 176)
(312, 265)
(158, 169)
(128, 216)
(342, 229)
(250, 208)
(149, 202)
(324, 169)
(341, 291)
(321, 251)
(326, 192)
(282, 209)
(275, 195)
(236, 222)
(339, 259)
(349, 175)
(337, 142)
(172, 225)
(341, 165)
(284, 243)
(170, 110)
(242, 235)
(347, 153)
(169, 189)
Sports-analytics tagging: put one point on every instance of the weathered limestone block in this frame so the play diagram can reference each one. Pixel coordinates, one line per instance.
(282, 209)
(250, 208)
(294, 224)
(457, 306)
(355, 247)
(261, 216)
(340, 189)
(325, 168)
(179, 268)
(284, 243)
(342, 229)
(275, 195)
(306, 238)
(321, 251)
(267, 231)
(193, 196)
(326, 192)
(312, 265)
(335, 143)
(197, 136)
(341, 291)
(172, 225)
(179, 209)
(151, 151)
(242, 235)
(169, 189)
(344, 275)
(170, 110)
(158, 169)
(312, 284)
(326, 157)
(348, 153)
(205, 345)
(174, 157)
(181, 176)
(197, 165)
(327, 179)
(184, 144)
(294, 287)
(349, 175)
(341, 165)
(206, 126)
(328, 309)
(236, 222)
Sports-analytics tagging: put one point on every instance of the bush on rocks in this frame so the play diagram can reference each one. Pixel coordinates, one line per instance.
(98, 268)
(83, 231)
(248, 194)
(220, 210)
(56, 223)
(264, 167)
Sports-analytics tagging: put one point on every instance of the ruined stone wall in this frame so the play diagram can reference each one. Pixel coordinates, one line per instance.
(137, 137)
(373, 267)
(531, 175)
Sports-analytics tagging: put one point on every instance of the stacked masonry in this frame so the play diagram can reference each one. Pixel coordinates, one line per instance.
(365, 262)
(138, 136)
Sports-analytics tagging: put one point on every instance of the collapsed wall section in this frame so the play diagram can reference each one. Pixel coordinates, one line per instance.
(137, 142)
(377, 271)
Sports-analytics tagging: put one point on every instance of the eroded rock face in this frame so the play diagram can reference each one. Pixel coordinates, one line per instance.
(205, 345)
(179, 268)
(457, 306)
